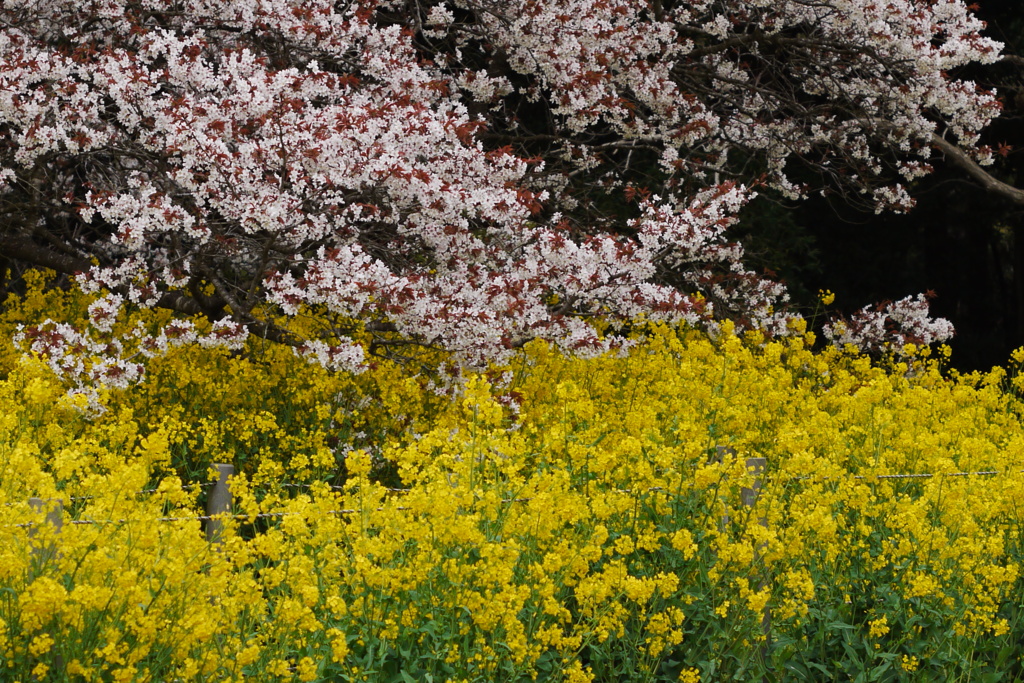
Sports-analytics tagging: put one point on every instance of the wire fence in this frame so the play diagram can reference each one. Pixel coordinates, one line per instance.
(220, 499)
(219, 504)
(184, 487)
(219, 507)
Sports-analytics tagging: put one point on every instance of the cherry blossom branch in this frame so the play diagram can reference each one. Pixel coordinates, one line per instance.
(464, 175)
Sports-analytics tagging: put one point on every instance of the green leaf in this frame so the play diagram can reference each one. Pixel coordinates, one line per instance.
(876, 673)
(841, 626)
(823, 669)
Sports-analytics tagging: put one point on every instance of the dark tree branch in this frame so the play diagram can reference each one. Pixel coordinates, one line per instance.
(975, 171)
(24, 249)
(180, 302)
(1015, 60)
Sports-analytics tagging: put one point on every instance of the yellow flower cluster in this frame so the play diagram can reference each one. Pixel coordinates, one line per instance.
(560, 519)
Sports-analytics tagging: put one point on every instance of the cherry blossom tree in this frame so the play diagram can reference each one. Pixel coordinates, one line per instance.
(467, 174)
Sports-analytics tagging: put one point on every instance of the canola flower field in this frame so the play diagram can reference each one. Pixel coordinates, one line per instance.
(560, 520)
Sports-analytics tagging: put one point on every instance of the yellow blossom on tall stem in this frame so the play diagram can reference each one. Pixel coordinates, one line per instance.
(607, 522)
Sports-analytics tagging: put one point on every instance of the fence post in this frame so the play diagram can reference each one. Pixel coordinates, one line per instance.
(43, 554)
(218, 502)
(755, 466)
(719, 457)
(54, 518)
(749, 495)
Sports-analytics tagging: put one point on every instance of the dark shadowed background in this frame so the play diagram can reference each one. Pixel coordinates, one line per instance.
(961, 242)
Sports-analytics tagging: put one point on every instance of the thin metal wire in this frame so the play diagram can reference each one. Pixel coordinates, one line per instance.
(208, 484)
(203, 518)
(918, 475)
(291, 485)
(268, 515)
(928, 475)
(184, 487)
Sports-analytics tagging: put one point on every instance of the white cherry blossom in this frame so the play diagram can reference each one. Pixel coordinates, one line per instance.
(467, 174)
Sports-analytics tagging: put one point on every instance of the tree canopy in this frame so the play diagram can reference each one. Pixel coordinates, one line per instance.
(468, 175)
